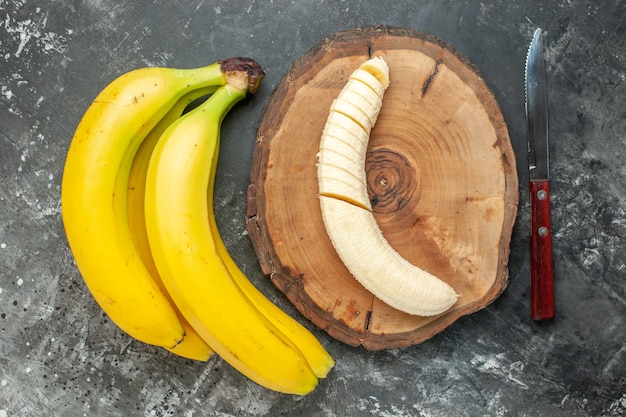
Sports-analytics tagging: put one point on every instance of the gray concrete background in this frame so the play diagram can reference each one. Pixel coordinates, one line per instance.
(59, 356)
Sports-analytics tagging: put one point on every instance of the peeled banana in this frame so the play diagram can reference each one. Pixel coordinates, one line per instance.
(189, 254)
(346, 209)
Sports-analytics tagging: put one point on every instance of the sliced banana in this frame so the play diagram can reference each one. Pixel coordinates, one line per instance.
(345, 144)
(365, 99)
(343, 155)
(346, 208)
(341, 177)
(360, 88)
(343, 126)
(357, 114)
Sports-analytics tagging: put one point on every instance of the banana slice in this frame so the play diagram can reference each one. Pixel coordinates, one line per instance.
(369, 80)
(378, 67)
(345, 205)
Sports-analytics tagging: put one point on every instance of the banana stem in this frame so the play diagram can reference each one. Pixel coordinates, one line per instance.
(243, 73)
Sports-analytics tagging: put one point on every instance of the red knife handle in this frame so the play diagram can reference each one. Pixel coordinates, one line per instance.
(542, 287)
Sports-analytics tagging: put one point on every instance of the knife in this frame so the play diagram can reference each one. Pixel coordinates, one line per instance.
(542, 287)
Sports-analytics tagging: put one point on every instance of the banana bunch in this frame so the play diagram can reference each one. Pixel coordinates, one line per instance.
(346, 208)
(137, 204)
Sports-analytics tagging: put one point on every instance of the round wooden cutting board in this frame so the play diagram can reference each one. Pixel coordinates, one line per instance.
(441, 174)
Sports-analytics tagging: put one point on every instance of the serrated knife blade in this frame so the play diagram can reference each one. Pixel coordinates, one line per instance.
(542, 286)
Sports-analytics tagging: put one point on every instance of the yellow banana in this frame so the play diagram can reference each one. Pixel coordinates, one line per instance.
(94, 194)
(188, 259)
(345, 205)
(318, 358)
(192, 346)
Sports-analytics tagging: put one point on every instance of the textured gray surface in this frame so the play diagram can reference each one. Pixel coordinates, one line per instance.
(60, 356)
